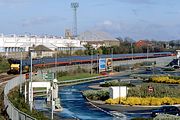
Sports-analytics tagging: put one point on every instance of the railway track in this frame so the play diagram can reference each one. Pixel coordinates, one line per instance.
(5, 77)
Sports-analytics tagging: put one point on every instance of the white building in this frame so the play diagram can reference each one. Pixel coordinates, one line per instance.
(14, 43)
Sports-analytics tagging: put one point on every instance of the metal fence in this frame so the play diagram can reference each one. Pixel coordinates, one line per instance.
(14, 113)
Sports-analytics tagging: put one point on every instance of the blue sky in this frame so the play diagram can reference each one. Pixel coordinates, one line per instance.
(138, 19)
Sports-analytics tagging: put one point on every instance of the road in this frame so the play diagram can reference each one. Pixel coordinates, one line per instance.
(75, 106)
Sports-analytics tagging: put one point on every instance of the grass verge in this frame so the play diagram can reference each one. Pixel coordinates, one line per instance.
(76, 76)
(18, 101)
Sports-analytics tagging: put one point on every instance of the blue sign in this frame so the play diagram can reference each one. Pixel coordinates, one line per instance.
(102, 64)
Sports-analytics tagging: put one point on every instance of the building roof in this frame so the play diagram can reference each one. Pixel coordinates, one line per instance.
(143, 43)
(41, 48)
(96, 36)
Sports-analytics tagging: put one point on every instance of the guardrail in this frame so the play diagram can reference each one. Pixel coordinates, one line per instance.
(13, 112)
(83, 80)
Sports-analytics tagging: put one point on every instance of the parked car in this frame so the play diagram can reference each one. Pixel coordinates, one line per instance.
(172, 110)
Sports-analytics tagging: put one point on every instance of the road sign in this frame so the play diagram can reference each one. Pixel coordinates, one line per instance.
(48, 76)
(150, 89)
(102, 65)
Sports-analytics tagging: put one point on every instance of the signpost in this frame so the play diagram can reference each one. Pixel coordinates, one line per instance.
(150, 89)
(48, 76)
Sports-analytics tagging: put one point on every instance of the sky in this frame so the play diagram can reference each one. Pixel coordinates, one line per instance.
(137, 19)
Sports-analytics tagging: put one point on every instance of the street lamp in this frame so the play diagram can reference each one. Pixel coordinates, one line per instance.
(21, 72)
(147, 51)
(56, 49)
(112, 58)
(132, 52)
(97, 63)
(91, 61)
(119, 91)
(31, 99)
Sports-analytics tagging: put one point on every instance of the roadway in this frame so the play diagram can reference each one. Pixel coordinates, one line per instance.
(75, 106)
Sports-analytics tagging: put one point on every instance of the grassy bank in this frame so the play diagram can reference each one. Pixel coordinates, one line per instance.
(79, 73)
(77, 76)
(18, 101)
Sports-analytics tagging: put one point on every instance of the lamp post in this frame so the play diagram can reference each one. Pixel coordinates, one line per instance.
(56, 49)
(21, 72)
(31, 99)
(56, 64)
(112, 58)
(132, 52)
(97, 63)
(147, 51)
(119, 91)
(52, 101)
(91, 61)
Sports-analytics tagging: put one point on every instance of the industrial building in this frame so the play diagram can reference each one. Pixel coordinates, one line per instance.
(14, 43)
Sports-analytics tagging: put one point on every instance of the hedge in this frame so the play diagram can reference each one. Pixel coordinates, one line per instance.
(148, 101)
(165, 79)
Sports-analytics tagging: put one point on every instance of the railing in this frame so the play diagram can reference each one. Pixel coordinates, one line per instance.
(14, 113)
(83, 80)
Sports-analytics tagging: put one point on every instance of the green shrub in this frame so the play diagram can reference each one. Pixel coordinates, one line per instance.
(160, 90)
(96, 94)
(116, 83)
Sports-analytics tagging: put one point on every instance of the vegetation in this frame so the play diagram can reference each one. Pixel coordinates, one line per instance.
(165, 79)
(4, 65)
(166, 117)
(18, 101)
(96, 94)
(74, 74)
(159, 91)
(168, 69)
(116, 83)
(148, 101)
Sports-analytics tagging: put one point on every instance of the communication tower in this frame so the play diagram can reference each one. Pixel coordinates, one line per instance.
(74, 6)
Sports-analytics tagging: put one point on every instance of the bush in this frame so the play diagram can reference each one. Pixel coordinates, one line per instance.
(166, 117)
(96, 94)
(166, 79)
(159, 90)
(149, 101)
(116, 83)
